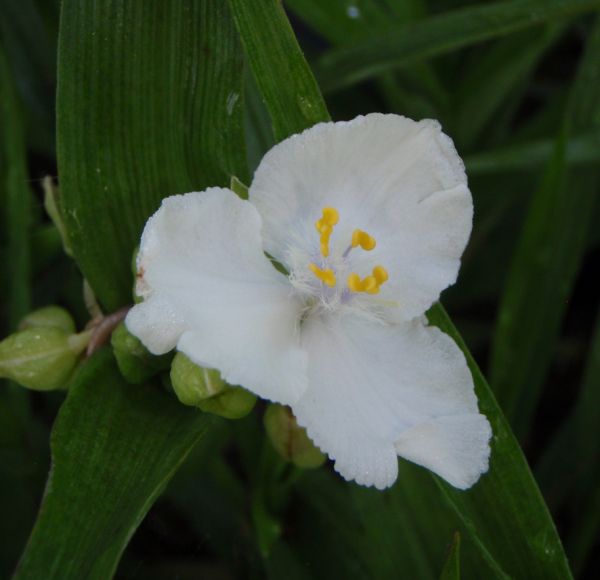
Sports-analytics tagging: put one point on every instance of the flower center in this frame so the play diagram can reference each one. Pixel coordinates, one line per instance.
(369, 284)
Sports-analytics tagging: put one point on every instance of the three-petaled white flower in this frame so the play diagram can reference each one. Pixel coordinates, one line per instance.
(370, 218)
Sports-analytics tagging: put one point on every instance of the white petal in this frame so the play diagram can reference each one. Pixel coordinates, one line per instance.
(377, 391)
(401, 181)
(157, 323)
(455, 447)
(210, 290)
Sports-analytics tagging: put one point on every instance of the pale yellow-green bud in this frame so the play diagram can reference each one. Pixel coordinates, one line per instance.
(54, 316)
(41, 357)
(233, 403)
(204, 388)
(289, 439)
(135, 362)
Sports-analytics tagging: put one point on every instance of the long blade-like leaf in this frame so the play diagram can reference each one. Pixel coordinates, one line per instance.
(15, 197)
(31, 52)
(438, 35)
(547, 258)
(149, 105)
(114, 448)
(569, 472)
(580, 150)
(279, 67)
(494, 75)
(505, 513)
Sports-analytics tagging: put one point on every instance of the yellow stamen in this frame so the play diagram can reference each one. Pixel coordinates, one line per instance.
(354, 282)
(325, 225)
(370, 284)
(326, 276)
(380, 274)
(363, 239)
(331, 215)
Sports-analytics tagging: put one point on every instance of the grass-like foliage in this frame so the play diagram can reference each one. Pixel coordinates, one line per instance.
(124, 103)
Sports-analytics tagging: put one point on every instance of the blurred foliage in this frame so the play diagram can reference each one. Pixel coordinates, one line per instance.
(153, 99)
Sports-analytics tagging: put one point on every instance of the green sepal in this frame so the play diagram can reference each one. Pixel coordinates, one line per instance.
(135, 362)
(238, 187)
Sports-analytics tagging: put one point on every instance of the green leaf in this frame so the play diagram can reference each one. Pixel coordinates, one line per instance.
(568, 471)
(23, 465)
(366, 533)
(409, 91)
(149, 105)
(451, 569)
(345, 21)
(31, 52)
(547, 258)
(281, 73)
(115, 447)
(15, 197)
(438, 35)
(259, 131)
(493, 75)
(580, 150)
(504, 513)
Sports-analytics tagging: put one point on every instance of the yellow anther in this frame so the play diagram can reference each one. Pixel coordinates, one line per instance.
(354, 282)
(325, 225)
(363, 239)
(331, 216)
(370, 284)
(323, 229)
(326, 276)
(380, 274)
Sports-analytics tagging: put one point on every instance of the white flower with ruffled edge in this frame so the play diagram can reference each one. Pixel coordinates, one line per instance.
(370, 218)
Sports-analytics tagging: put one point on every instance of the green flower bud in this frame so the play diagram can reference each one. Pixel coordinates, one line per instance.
(289, 439)
(135, 362)
(204, 388)
(42, 357)
(233, 403)
(54, 316)
(191, 383)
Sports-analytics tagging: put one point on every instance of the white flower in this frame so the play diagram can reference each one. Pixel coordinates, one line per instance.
(370, 218)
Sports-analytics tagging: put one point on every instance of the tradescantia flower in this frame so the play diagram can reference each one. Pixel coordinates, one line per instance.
(369, 218)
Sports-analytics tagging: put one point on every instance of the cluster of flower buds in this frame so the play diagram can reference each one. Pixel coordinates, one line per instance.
(45, 350)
